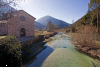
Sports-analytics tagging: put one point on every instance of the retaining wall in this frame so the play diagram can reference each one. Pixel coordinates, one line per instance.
(36, 39)
(32, 40)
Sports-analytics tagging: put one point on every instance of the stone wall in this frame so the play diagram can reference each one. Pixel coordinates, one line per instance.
(36, 39)
(49, 35)
(32, 40)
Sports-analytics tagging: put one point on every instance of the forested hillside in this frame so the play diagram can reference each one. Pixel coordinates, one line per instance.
(90, 18)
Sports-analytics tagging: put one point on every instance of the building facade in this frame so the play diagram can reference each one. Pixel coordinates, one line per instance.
(21, 25)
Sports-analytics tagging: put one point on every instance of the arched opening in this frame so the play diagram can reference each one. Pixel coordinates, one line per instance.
(22, 32)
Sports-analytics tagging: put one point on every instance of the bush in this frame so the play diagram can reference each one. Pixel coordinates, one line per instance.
(86, 36)
(73, 29)
(85, 18)
(10, 52)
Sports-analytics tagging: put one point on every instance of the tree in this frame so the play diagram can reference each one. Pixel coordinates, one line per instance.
(85, 18)
(10, 52)
(5, 7)
(73, 29)
(49, 26)
(95, 4)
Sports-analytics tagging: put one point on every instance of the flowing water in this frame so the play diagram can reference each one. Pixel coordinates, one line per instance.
(62, 53)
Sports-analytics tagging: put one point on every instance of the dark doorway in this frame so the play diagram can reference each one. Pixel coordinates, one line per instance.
(22, 32)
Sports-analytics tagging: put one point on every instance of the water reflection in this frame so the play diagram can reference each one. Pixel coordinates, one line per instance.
(41, 57)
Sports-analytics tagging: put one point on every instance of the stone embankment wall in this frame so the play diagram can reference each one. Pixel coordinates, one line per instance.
(32, 40)
(49, 35)
(37, 39)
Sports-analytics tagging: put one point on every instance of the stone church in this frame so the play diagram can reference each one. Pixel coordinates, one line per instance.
(23, 26)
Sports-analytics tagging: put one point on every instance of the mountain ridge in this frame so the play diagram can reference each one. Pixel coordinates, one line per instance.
(60, 23)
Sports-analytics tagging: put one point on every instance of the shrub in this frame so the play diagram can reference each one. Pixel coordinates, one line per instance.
(10, 52)
(86, 36)
(73, 29)
(85, 18)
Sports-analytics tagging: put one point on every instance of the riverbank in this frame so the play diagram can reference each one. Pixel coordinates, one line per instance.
(62, 53)
(31, 51)
(92, 49)
(92, 52)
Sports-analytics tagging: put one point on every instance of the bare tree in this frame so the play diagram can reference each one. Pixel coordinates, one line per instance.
(5, 8)
(49, 26)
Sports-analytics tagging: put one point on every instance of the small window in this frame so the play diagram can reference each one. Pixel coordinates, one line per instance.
(22, 18)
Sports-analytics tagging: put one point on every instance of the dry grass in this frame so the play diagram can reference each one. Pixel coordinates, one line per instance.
(37, 32)
(86, 36)
(47, 40)
(2, 37)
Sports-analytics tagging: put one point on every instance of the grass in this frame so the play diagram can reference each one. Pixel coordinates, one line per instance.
(37, 33)
(2, 37)
(47, 40)
(86, 36)
(98, 43)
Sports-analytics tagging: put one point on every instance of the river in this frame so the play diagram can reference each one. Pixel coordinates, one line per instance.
(62, 53)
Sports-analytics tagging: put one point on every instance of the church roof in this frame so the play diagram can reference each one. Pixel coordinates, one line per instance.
(5, 18)
(26, 13)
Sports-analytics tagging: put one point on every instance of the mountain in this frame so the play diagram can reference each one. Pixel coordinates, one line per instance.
(39, 26)
(44, 20)
(5, 9)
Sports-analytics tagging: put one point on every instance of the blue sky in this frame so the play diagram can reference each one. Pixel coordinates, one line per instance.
(65, 10)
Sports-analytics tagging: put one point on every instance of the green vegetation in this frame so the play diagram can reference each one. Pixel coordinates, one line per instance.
(87, 30)
(10, 52)
(73, 29)
(95, 4)
(87, 16)
(91, 18)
